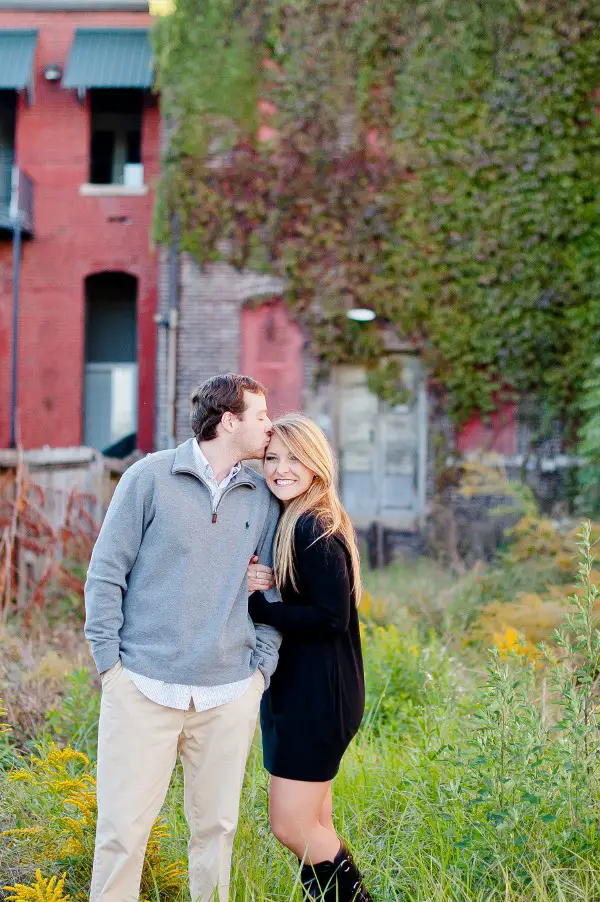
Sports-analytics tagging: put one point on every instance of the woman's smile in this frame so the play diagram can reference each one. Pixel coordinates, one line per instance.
(286, 476)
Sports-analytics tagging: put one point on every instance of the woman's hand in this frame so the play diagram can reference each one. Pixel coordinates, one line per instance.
(260, 577)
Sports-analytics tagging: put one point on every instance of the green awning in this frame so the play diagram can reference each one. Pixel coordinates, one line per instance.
(17, 49)
(109, 58)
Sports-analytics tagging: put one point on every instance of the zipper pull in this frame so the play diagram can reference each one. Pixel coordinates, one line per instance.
(214, 517)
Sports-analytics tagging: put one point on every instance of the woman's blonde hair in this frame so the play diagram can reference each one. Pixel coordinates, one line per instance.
(308, 443)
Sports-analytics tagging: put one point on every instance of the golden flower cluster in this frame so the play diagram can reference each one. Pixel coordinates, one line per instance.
(41, 890)
(63, 774)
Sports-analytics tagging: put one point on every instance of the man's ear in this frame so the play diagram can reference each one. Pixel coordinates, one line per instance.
(227, 421)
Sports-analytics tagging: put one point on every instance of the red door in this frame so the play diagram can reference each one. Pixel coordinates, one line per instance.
(272, 353)
(498, 434)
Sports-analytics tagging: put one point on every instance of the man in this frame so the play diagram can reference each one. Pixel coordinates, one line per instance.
(183, 668)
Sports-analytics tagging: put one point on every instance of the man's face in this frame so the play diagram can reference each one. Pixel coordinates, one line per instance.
(254, 429)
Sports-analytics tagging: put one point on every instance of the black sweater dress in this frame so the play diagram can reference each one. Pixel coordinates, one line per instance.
(315, 702)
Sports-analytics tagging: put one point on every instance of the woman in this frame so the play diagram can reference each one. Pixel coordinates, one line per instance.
(315, 702)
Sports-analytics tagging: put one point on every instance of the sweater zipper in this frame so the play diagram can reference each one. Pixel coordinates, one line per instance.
(229, 488)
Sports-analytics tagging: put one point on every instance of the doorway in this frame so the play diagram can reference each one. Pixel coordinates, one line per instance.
(382, 449)
(110, 393)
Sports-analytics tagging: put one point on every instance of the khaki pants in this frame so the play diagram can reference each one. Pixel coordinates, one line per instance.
(138, 742)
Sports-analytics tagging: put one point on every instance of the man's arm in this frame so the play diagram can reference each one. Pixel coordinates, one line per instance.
(112, 559)
(268, 639)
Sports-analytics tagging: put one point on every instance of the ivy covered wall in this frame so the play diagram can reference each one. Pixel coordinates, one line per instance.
(437, 161)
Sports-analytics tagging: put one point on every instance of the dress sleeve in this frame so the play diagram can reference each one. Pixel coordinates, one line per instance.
(322, 572)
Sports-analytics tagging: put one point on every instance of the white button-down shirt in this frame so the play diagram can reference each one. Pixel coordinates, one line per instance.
(178, 695)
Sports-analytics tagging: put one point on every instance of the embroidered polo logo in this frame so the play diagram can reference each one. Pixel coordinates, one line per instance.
(247, 524)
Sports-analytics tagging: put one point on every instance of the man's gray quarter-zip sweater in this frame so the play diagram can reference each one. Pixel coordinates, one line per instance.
(166, 589)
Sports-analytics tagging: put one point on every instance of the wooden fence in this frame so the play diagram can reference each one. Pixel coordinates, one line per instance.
(52, 502)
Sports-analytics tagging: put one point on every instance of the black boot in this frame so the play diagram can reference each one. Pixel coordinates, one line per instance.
(349, 878)
(319, 881)
(335, 881)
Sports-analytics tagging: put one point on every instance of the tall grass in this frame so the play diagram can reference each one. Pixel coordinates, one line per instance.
(465, 784)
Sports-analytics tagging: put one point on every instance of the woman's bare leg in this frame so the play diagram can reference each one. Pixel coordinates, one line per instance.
(326, 813)
(295, 810)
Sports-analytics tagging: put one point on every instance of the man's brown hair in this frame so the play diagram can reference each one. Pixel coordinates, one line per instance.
(216, 396)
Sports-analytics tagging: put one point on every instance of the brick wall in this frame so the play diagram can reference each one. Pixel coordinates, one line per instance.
(209, 338)
(212, 301)
(216, 304)
(75, 236)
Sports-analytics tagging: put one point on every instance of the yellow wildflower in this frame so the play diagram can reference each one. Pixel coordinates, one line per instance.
(372, 609)
(21, 831)
(4, 727)
(62, 774)
(485, 475)
(41, 890)
(17, 833)
(511, 641)
(53, 772)
(168, 876)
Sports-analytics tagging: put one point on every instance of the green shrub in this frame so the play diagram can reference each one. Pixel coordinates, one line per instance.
(75, 720)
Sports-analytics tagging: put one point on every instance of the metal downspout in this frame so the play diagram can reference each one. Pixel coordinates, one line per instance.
(172, 331)
(16, 265)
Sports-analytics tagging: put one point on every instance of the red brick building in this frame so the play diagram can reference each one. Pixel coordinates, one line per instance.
(79, 157)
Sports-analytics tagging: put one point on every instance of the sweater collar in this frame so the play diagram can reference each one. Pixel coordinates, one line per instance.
(185, 462)
(205, 467)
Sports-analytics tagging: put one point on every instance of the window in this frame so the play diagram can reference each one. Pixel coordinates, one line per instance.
(116, 139)
(8, 107)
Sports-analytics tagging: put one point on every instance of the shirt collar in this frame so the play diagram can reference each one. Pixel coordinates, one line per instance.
(206, 467)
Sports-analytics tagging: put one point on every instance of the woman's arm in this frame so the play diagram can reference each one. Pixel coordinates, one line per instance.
(322, 571)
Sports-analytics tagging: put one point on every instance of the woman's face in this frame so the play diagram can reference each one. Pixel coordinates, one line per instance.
(286, 476)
